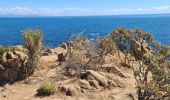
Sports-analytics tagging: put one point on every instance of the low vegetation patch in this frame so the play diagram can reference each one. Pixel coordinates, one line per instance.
(5, 49)
(46, 89)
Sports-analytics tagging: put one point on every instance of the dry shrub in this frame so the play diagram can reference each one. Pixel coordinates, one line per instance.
(33, 44)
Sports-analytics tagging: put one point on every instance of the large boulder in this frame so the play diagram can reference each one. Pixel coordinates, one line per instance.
(100, 78)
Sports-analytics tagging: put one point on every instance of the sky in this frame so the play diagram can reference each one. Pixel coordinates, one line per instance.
(82, 7)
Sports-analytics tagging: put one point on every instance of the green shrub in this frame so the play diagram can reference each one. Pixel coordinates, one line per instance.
(46, 89)
(106, 46)
(33, 44)
(5, 49)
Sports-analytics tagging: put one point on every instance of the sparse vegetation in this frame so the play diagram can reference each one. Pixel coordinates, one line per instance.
(153, 71)
(46, 89)
(151, 64)
(153, 60)
(5, 49)
(33, 44)
(83, 53)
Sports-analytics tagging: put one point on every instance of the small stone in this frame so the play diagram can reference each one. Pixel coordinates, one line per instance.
(71, 72)
(1, 69)
(112, 97)
(166, 98)
(4, 95)
(64, 89)
(112, 83)
(83, 91)
(71, 91)
(84, 84)
(90, 77)
(94, 83)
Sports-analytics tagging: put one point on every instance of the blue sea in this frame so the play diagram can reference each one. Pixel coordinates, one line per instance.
(56, 29)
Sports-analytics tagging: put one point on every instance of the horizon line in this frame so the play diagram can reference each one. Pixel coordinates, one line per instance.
(37, 16)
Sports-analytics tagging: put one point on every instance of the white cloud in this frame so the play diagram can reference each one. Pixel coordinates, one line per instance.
(152, 10)
(49, 11)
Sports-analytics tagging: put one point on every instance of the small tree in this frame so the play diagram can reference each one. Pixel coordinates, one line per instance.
(33, 44)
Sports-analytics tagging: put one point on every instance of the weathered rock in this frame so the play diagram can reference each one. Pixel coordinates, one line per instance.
(10, 55)
(13, 63)
(166, 98)
(100, 78)
(71, 72)
(90, 77)
(3, 58)
(19, 48)
(112, 69)
(8, 74)
(1, 67)
(71, 92)
(20, 54)
(84, 84)
(94, 83)
(63, 89)
(112, 83)
(119, 82)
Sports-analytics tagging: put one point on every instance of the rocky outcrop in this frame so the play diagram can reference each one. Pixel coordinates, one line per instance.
(9, 66)
(100, 78)
(109, 68)
(94, 84)
(84, 84)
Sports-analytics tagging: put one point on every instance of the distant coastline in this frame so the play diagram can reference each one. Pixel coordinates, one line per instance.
(118, 15)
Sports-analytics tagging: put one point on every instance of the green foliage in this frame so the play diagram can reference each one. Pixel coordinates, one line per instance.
(106, 45)
(46, 89)
(156, 61)
(5, 49)
(33, 44)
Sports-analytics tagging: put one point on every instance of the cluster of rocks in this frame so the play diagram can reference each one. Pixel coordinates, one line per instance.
(9, 64)
(90, 81)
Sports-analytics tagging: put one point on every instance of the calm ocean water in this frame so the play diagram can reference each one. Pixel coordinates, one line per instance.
(56, 29)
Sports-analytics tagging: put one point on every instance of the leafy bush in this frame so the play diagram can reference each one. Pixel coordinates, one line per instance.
(33, 44)
(106, 46)
(46, 89)
(151, 56)
(128, 41)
